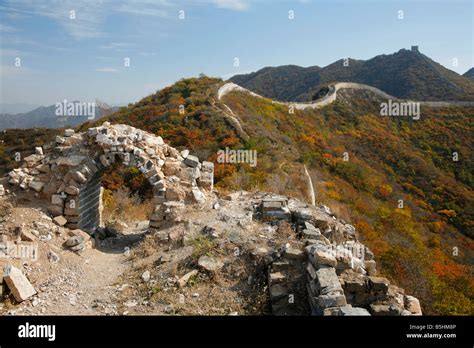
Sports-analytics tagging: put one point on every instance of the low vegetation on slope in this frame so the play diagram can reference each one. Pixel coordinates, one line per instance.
(22, 142)
(426, 246)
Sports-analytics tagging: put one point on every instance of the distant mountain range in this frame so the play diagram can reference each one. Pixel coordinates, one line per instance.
(404, 74)
(469, 73)
(45, 117)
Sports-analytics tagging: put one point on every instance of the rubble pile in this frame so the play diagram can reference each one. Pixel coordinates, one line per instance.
(67, 173)
(340, 271)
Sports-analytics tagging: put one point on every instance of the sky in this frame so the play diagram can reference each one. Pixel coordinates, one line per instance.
(51, 50)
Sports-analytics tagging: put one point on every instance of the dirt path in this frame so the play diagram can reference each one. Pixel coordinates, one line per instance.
(83, 284)
(233, 120)
(310, 186)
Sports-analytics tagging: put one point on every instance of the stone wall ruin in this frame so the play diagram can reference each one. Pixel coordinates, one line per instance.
(68, 172)
(341, 276)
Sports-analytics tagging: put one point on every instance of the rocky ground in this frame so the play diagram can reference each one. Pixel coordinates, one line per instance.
(67, 282)
(213, 270)
(236, 254)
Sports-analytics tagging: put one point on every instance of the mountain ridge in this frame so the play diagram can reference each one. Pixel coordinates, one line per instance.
(45, 117)
(404, 74)
(469, 73)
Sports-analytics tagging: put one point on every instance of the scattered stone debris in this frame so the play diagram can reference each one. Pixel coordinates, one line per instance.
(27, 236)
(60, 220)
(146, 276)
(53, 257)
(210, 264)
(184, 279)
(75, 243)
(275, 207)
(18, 284)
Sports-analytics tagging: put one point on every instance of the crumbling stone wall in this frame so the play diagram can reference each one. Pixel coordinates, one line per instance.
(341, 272)
(67, 173)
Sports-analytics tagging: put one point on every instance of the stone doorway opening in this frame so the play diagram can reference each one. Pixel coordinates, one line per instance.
(67, 173)
(91, 205)
(115, 196)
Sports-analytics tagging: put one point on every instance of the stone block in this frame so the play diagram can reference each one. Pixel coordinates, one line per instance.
(276, 278)
(210, 264)
(207, 167)
(412, 305)
(279, 266)
(385, 309)
(323, 258)
(198, 196)
(379, 284)
(184, 279)
(371, 268)
(277, 292)
(27, 235)
(18, 284)
(191, 161)
(72, 190)
(57, 199)
(81, 234)
(331, 300)
(327, 281)
(295, 254)
(36, 185)
(311, 234)
(55, 210)
(346, 311)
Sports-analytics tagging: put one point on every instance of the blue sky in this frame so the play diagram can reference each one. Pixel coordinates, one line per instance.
(83, 58)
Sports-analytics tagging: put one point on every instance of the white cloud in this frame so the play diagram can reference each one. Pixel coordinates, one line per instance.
(7, 29)
(5, 52)
(90, 15)
(236, 5)
(147, 54)
(116, 46)
(154, 8)
(106, 70)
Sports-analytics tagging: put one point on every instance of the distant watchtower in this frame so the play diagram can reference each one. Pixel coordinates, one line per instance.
(415, 49)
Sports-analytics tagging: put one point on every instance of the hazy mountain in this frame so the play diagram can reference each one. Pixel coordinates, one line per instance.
(469, 73)
(45, 117)
(404, 74)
